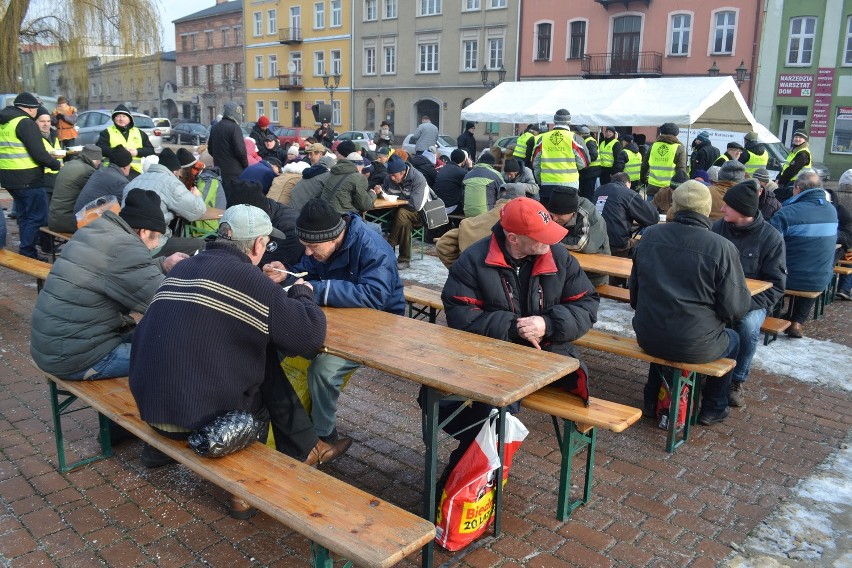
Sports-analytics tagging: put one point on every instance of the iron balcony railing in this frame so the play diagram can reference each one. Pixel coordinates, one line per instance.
(290, 35)
(636, 64)
(290, 82)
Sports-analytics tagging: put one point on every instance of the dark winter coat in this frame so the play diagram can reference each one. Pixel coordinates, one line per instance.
(768, 204)
(30, 136)
(105, 181)
(449, 186)
(103, 142)
(762, 257)
(346, 189)
(69, 183)
(703, 156)
(227, 146)
(686, 285)
(467, 142)
(620, 207)
(425, 167)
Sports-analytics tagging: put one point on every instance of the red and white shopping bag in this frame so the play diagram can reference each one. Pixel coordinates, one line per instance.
(466, 508)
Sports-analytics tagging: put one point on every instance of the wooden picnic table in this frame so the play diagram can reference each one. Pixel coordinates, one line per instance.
(212, 214)
(382, 211)
(621, 268)
(446, 361)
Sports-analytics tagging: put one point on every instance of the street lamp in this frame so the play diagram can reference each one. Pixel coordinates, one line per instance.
(714, 70)
(231, 86)
(501, 75)
(331, 86)
(742, 70)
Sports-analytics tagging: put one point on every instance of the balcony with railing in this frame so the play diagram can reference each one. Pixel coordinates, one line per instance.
(290, 82)
(290, 35)
(622, 65)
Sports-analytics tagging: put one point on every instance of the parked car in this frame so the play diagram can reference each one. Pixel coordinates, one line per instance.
(165, 126)
(189, 133)
(90, 123)
(289, 135)
(361, 139)
(505, 141)
(8, 99)
(446, 145)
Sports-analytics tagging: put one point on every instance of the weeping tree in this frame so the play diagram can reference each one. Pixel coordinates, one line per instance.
(81, 28)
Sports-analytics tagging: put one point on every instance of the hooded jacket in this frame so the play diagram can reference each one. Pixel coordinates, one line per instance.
(30, 136)
(346, 189)
(425, 167)
(103, 142)
(105, 181)
(481, 189)
(227, 147)
(69, 183)
(703, 156)
(768, 203)
(362, 273)
(686, 285)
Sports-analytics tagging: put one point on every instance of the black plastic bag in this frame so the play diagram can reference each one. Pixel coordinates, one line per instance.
(227, 434)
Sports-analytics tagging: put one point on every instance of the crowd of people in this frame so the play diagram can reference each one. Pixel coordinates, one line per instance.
(293, 238)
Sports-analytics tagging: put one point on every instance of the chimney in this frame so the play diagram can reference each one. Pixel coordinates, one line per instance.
(221, 1)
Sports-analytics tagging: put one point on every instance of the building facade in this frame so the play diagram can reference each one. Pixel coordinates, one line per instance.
(138, 82)
(209, 62)
(805, 78)
(35, 59)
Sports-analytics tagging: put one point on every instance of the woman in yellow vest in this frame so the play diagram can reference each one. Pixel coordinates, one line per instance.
(122, 132)
(798, 159)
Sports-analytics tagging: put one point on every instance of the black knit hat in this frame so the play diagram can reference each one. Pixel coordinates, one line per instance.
(319, 222)
(185, 158)
(743, 197)
(669, 128)
(468, 125)
(142, 210)
(563, 201)
(42, 112)
(678, 178)
(169, 160)
(26, 100)
(120, 156)
(458, 156)
(346, 147)
(511, 165)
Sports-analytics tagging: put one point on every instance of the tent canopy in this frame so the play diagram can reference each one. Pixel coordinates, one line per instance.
(699, 102)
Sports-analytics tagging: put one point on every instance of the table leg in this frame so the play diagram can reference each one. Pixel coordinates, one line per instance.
(501, 452)
(430, 438)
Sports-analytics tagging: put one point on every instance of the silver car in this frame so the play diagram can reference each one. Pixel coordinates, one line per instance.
(446, 145)
(90, 123)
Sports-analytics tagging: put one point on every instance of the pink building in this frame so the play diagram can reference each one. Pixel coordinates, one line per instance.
(597, 39)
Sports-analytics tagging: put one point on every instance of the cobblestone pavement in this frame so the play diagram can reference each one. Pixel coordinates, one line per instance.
(648, 508)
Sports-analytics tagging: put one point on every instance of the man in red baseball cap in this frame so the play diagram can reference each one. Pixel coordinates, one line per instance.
(519, 285)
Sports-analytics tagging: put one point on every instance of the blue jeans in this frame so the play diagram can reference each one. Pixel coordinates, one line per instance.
(325, 377)
(31, 206)
(116, 363)
(748, 329)
(843, 285)
(3, 231)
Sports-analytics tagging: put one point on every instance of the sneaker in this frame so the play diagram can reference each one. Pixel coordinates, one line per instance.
(152, 457)
(736, 396)
(403, 264)
(847, 295)
(324, 452)
(708, 418)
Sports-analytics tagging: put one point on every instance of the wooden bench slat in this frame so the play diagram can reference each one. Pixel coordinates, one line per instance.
(423, 296)
(613, 292)
(843, 270)
(330, 512)
(774, 325)
(600, 413)
(802, 293)
(24, 264)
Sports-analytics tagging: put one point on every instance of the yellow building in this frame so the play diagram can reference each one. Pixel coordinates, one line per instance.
(292, 50)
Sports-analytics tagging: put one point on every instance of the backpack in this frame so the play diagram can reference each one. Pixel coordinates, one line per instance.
(209, 183)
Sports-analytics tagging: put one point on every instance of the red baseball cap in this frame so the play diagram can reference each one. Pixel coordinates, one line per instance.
(528, 217)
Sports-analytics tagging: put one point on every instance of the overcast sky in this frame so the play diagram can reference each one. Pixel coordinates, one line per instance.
(172, 10)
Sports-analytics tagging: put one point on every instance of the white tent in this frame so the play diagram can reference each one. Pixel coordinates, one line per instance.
(699, 102)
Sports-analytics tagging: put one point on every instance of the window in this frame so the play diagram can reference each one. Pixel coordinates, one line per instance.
(194, 76)
(429, 7)
(225, 37)
(336, 13)
(319, 15)
(471, 5)
(495, 53)
(577, 45)
(335, 113)
(238, 72)
(389, 60)
(184, 43)
(273, 65)
(296, 60)
(681, 28)
(390, 9)
(370, 107)
(208, 36)
(319, 63)
(238, 37)
(192, 42)
(800, 48)
(723, 32)
(543, 33)
(370, 60)
(847, 58)
(841, 143)
(226, 71)
(258, 109)
(184, 71)
(273, 112)
(258, 67)
(271, 22)
(496, 4)
(210, 82)
(336, 67)
(427, 57)
(371, 10)
(470, 55)
(258, 24)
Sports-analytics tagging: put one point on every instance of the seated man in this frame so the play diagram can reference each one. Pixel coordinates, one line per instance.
(109, 180)
(549, 301)
(313, 178)
(346, 188)
(70, 180)
(620, 207)
(409, 184)
(182, 381)
(516, 173)
(481, 186)
(686, 285)
(81, 329)
(449, 184)
(586, 227)
(349, 266)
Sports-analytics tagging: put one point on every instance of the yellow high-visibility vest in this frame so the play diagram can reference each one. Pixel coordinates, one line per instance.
(597, 161)
(633, 167)
(134, 140)
(13, 153)
(792, 156)
(661, 163)
(49, 149)
(605, 154)
(520, 150)
(557, 158)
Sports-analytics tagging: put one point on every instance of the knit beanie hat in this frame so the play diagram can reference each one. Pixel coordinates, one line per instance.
(385, 151)
(752, 136)
(92, 152)
(26, 100)
(713, 173)
(704, 136)
(142, 210)
(678, 178)
(395, 165)
(468, 125)
(584, 130)
(42, 112)
(702, 176)
(319, 222)
(273, 161)
(185, 158)
(732, 170)
(346, 147)
(743, 197)
(121, 157)
(801, 133)
(627, 138)
(563, 201)
(761, 174)
(233, 111)
(669, 128)
(692, 195)
(562, 117)
(457, 156)
(487, 158)
(263, 122)
(611, 129)
(169, 160)
(511, 165)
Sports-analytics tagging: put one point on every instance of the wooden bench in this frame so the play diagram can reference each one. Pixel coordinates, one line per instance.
(819, 305)
(56, 238)
(335, 516)
(831, 293)
(25, 265)
(579, 432)
(771, 327)
(423, 303)
(613, 293)
(628, 347)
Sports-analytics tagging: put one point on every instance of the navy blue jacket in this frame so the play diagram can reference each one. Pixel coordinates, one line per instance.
(808, 223)
(620, 206)
(361, 274)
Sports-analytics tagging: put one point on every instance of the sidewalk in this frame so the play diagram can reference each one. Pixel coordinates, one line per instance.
(648, 508)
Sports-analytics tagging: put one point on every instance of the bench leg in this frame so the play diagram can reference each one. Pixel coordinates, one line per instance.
(678, 382)
(425, 312)
(572, 441)
(60, 408)
(322, 558)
